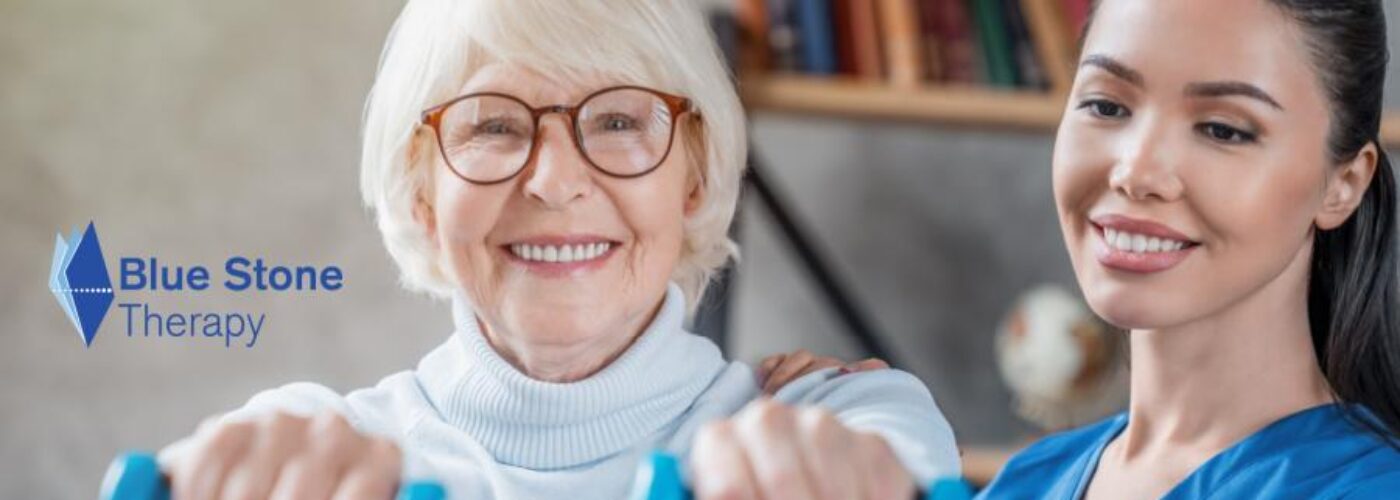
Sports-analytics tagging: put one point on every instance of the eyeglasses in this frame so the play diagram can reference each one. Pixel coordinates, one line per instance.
(624, 131)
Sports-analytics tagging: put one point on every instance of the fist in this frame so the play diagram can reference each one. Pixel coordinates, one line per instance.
(772, 451)
(282, 456)
(777, 370)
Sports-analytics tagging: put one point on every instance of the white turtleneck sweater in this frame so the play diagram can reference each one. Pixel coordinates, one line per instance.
(468, 419)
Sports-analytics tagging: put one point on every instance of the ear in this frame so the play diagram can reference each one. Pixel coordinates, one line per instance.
(695, 192)
(425, 217)
(423, 212)
(695, 152)
(1346, 187)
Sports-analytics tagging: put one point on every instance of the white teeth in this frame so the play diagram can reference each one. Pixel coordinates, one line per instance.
(560, 254)
(1140, 243)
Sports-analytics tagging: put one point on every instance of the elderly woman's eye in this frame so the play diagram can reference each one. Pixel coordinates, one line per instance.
(1220, 132)
(493, 127)
(615, 122)
(1103, 108)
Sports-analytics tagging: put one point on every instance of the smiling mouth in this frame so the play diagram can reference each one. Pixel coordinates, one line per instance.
(1124, 241)
(561, 254)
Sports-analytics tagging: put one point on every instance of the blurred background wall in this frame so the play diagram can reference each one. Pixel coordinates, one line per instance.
(198, 130)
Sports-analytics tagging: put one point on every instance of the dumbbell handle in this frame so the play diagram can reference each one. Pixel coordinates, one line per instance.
(659, 478)
(136, 476)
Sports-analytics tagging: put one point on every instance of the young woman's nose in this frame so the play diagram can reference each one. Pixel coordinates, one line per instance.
(1146, 166)
(556, 173)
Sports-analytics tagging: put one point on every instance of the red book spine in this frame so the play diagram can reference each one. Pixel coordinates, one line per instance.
(957, 42)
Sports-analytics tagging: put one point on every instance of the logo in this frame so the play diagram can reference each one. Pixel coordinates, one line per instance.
(79, 281)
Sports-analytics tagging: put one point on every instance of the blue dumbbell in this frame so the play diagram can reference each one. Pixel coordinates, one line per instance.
(136, 476)
(659, 478)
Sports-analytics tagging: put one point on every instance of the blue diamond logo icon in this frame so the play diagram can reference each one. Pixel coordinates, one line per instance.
(79, 280)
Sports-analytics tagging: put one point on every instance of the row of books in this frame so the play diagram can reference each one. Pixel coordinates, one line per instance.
(998, 43)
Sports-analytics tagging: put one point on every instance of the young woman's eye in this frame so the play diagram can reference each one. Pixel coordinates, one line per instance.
(1220, 132)
(1105, 109)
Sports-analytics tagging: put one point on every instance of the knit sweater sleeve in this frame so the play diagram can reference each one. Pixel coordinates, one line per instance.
(891, 403)
(389, 410)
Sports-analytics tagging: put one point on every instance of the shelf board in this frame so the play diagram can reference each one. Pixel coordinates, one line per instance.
(953, 105)
(850, 98)
(1390, 129)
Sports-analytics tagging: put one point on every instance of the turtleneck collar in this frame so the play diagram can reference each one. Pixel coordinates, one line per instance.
(541, 425)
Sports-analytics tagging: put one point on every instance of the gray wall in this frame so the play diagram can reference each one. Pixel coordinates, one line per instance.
(197, 130)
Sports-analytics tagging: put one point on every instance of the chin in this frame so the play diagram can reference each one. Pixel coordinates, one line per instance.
(1130, 309)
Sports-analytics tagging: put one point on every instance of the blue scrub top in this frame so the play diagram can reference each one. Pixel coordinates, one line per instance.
(1315, 454)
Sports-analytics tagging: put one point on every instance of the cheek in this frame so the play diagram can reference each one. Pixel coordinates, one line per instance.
(466, 214)
(655, 214)
(1256, 206)
(1080, 169)
(1083, 158)
(1258, 214)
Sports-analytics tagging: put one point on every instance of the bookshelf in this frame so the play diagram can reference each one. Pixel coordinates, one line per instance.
(962, 105)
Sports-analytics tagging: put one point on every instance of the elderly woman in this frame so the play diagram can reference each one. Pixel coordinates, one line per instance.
(565, 174)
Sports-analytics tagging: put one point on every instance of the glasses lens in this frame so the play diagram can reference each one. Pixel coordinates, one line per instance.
(625, 131)
(486, 138)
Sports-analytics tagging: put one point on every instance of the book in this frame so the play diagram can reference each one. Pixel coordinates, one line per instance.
(865, 38)
(997, 53)
(1050, 34)
(1076, 14)
(813, 20)
(754, 49)
(782, 36)
(902, 44)
(1023, 52)
(932, 48)
(844, 35)
(957, 41)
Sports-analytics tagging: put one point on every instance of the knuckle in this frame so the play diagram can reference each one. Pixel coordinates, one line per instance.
(712, 433)
(768, 414)
(239, 491)
(330, 422)
(817, 421)
(223, 438)
(385, 453)
(727, 489)
(281, 422)
(780, 478)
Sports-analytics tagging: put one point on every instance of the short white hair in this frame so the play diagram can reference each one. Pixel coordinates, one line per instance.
(436, 45)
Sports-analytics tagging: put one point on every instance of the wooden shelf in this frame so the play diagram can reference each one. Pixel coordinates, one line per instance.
(970, 106)
(1390, 129)
(850, 98)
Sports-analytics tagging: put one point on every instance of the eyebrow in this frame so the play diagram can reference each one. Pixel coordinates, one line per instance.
(1114, 67)
(1199, 89)
(1227, 89)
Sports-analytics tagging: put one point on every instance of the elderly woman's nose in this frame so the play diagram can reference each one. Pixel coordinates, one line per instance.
(1147, 167)
(557, 173)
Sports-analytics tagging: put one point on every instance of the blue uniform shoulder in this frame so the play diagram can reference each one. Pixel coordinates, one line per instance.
(1052, 464)
(1057, 449)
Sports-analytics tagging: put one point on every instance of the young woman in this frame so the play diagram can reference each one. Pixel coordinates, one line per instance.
(1223, 196)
